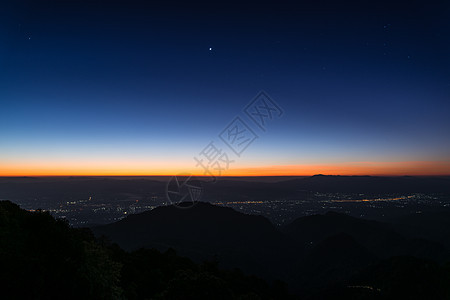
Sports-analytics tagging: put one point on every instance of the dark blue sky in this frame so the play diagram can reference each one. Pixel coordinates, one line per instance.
(151, 84)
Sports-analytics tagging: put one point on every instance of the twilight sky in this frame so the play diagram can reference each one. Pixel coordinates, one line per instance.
(141, 88)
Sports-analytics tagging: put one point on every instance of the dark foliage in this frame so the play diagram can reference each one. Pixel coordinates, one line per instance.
(44, 258)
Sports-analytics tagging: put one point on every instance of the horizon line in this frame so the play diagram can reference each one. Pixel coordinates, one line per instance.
(227, 176)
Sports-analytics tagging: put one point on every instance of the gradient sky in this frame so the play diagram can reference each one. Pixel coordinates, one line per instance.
(135, 88)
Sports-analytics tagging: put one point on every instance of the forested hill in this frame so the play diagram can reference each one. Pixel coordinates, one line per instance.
(44, 258)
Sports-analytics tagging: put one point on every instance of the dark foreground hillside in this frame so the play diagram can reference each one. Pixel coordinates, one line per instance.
(330, 256)
(43, 258)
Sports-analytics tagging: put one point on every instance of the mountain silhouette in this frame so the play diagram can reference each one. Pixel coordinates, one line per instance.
(201, 232)
(44, 258)
(431, 225)
(380, 239)
(311, 252)
(337, 247)
(331, 256)
(332, 260)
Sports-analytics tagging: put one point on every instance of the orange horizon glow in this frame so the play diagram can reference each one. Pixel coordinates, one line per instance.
(412, 168)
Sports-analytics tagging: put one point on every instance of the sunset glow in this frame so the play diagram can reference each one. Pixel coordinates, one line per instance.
(411, 168)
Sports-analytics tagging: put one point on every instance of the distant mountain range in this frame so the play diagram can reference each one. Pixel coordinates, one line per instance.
(18, 188)
(337, 183)
(367, 184)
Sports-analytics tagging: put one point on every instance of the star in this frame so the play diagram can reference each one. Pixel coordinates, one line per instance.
(210, 49)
